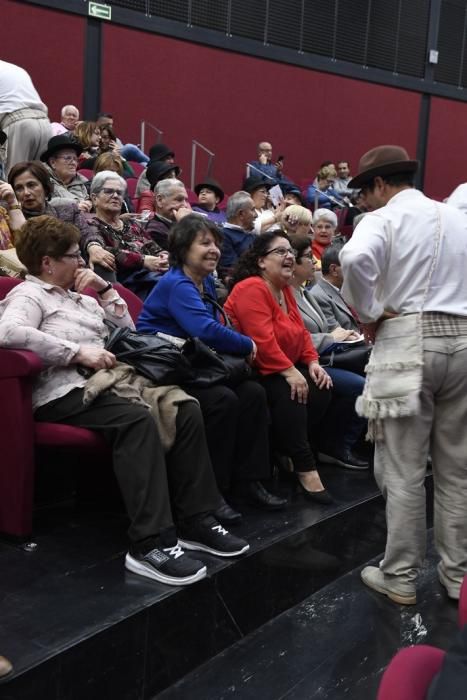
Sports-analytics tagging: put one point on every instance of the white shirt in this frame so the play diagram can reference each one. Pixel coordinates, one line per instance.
(17, 90)
(265, 215)
(458, 198)
(384, 272)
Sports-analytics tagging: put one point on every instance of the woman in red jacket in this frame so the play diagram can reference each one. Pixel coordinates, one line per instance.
(262, 306)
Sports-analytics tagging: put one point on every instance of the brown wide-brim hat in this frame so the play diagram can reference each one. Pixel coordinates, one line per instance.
(382, 160)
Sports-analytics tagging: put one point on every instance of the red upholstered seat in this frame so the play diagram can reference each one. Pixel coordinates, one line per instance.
(192, 196)
(131, 185)
(86, 172)
(21, 434)
(346, 231)
(410, 673)
(137, 167)
(58, 435)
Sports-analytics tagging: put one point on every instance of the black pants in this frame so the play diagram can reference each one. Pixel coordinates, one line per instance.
(149, 480)
(294, 425)
(236, 423)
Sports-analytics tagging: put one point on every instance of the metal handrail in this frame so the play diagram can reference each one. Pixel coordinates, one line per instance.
(250, 167)
(194, 146)
(158, 131)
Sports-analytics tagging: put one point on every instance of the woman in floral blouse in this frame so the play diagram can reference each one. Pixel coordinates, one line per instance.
(120, 250)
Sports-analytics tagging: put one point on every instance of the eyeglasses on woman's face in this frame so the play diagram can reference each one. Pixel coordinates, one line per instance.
(110, 191)
(282, 251)
(73, 256)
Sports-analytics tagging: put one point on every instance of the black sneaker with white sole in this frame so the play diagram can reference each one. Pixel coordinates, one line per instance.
(168, 565)
(207, 535)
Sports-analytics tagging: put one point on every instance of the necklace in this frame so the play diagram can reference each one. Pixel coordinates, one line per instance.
(278, 295)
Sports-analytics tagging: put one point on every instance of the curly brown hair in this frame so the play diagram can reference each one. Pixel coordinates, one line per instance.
(247, 264)
(44, 235)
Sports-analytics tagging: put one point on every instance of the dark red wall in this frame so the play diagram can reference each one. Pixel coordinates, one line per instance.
(447, 146)
(50, 46)
(229, 102)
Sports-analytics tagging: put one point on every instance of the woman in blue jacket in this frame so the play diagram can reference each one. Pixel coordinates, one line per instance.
(236, 419)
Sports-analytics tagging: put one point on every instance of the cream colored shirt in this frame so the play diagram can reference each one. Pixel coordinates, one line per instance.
(387, 261)
(53, 323)
(17, 90)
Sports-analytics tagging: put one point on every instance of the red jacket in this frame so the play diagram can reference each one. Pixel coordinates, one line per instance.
(282, 339)
(146, 201)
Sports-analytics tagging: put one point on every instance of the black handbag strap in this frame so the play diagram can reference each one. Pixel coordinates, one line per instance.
(218, 307)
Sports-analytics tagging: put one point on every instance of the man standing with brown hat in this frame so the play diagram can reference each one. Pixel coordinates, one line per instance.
(404, 270)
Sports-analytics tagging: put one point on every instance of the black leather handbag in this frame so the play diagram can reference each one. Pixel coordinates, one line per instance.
(153, 357)
(211, 367)
(354, 359)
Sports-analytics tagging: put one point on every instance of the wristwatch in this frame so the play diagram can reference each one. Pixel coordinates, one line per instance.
(106, 289)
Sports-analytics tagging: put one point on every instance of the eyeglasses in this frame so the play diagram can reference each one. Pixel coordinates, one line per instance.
(69, 158)
(110, 191)
(74, 256)
(282, 252)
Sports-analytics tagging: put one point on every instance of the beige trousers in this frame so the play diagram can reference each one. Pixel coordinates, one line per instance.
(27, 139)
(400, 469)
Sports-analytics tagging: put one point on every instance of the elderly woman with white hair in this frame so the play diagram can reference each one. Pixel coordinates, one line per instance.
(120, 250)
(324, 225)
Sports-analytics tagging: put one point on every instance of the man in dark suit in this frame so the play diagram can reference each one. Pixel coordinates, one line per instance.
(327, 293)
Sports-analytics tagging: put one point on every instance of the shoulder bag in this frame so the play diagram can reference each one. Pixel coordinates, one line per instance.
(211, 367)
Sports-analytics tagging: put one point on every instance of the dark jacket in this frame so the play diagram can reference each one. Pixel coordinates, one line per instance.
(158, 229)
(236, 240)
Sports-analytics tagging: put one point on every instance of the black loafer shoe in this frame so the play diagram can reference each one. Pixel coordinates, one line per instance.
(257, 496)
(346, 459)
(227, 515)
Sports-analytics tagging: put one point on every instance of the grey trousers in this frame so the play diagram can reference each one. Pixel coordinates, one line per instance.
(400, 468)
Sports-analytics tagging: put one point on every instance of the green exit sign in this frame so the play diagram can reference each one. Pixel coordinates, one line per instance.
(95, 9)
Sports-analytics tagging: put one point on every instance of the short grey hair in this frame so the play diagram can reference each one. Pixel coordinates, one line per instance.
(236, 203)
(165, 187)
(66, 108)
(99, 180)
(325, 214)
